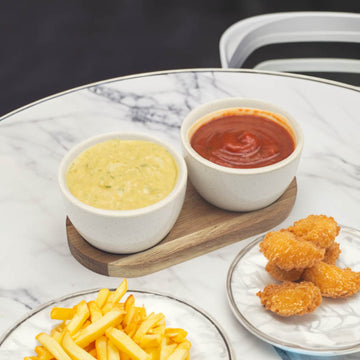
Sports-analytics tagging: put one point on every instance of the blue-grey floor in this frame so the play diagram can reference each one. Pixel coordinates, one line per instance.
(48, 45)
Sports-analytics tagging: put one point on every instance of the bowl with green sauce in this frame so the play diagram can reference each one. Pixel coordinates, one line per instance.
(123, 192)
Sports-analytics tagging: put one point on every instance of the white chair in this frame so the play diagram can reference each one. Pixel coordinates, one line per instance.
(240, 40)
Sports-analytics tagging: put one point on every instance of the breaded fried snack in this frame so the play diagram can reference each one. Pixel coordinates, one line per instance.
(333, 281)
(291, 298)
(332, 254)
(283, 275)
(319, 229)
(287, 252)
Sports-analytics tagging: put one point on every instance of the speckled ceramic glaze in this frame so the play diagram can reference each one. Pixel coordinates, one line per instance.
(332, 329)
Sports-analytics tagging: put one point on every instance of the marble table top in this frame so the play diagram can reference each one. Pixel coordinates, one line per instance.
(35, 262)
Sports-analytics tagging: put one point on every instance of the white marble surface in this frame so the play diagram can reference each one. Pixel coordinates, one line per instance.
(35, 263)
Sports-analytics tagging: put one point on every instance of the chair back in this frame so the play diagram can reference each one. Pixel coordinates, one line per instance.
(243, 38)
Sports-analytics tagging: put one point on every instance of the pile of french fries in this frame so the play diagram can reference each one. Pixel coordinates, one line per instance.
(107, 329)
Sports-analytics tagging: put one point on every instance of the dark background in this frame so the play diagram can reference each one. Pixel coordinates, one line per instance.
(49, 46)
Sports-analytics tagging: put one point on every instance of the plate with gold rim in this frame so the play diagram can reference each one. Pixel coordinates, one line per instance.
(332, 329)
(205, 334)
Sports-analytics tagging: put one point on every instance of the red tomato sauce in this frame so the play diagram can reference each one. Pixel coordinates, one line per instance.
(242, 141)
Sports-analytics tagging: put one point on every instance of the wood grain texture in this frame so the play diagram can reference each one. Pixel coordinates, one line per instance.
(200, 228)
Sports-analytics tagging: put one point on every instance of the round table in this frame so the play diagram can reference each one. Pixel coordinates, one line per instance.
(36, 264)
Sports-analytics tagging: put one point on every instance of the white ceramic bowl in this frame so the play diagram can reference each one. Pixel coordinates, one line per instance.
(123, 231)
(232, 188)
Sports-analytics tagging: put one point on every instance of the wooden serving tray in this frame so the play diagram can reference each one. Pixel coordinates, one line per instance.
(200, 228)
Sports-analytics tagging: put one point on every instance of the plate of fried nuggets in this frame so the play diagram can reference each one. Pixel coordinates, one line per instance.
(303, 257)
(314, 333)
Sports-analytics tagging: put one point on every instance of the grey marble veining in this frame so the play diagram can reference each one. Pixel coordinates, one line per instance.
(35, 263)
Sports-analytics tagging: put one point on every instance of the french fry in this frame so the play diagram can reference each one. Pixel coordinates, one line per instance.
(83, 326)
(52, 346)
(101, 348)
(43, 354)
(115, 297)
(81, 315)
(57, 332)
(176, 335)
(102, 296)
(131, 328)
(129, 302)
(138, 316)
(146, 325)
(181, 352)
(124, 356)
(74, 350)
(125, 344)
(95, 311)
(142, 313)
(150, 340)
(159, 329)
(60, 313)
(113, 352)
(130, 313)
(98, 328)
(154, 353)
(166, 350)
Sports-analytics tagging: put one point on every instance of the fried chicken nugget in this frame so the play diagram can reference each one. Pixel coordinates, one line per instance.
(319, 229)
(284, 250)
(332, 254)
(283, 275)
(290, 298)
(333, 281)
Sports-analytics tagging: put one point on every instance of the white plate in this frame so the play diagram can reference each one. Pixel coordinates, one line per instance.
(207, 338)
(332, 329)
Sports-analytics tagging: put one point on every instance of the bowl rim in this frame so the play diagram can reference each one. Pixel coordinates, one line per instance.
(227, 104)
(77, 149)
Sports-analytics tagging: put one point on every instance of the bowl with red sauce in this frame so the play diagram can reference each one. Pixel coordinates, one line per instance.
(241, 154)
